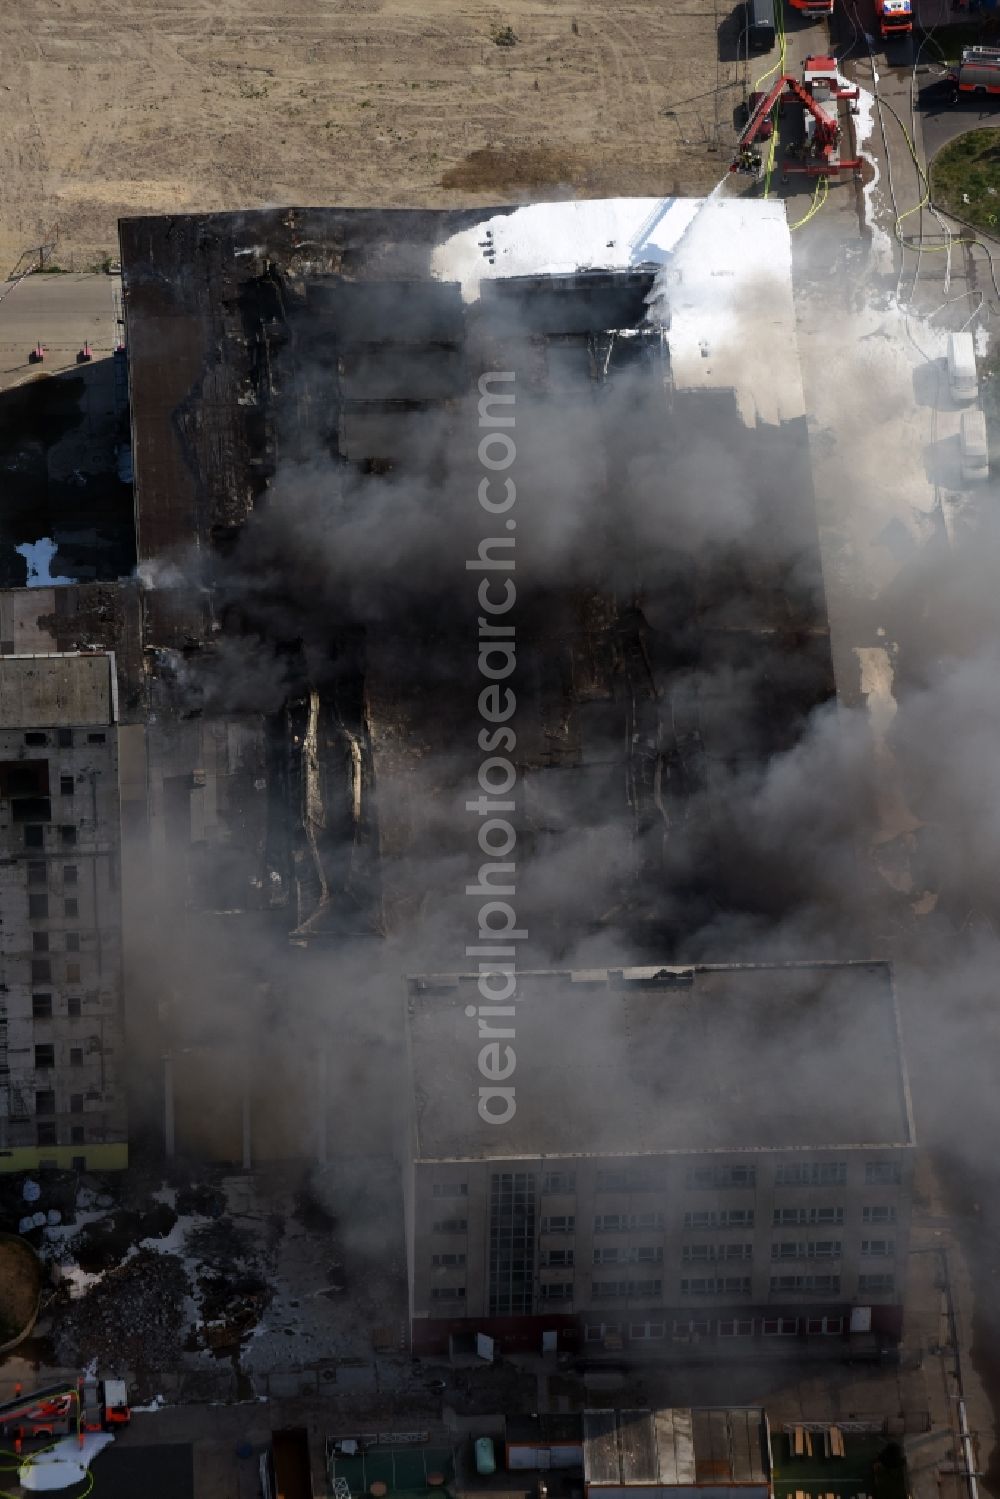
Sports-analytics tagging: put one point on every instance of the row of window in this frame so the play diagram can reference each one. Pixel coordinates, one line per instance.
(727, 1327)
(40, 941)
(41, 971)
(614, 1290)
(64, 737)
(34, 835)
(46, 1133)
(788, 1174)
(45, 1056)
(38, 873)
(41, 1007)
(40, 910)
(45, 1102)
(734, 1218)
(704, 1254)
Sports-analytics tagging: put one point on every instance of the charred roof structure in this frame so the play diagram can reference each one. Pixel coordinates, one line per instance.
(306, 390)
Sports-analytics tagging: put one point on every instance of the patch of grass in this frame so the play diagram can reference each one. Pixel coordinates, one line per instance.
(965, 178)
(503, 35)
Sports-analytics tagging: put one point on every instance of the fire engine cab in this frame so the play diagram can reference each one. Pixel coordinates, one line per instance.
(895, 18)
(814, 7)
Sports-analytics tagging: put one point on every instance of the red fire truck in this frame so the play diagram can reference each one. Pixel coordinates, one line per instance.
(64, 1410)
(895, 18)
(814, 7)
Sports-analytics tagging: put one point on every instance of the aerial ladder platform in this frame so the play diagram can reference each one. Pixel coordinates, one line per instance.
(819, 94)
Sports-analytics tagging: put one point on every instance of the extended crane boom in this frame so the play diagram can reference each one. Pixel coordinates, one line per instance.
(821, 85)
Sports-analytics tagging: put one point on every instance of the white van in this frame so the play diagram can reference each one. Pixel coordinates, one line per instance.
(975, 452)
(962, 381)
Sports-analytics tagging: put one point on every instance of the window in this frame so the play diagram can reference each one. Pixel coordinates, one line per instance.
(76, 1103)
(65, 738)
(811, 1174)
(647, 1332)
(616, 1223)
(67, 785)
(559, 1181)
(779, 1327)
(35, 738)
(448, 1293)
(559, 1257)
(561, 1290)
(885, 1281)
(77, 1136)
(75, 1056)
(723, 1218)
(806, 1249)
(721, 1176)
(442, 1261)
(883, 1173)
(45, 1056)
(72, 973)
(443, 1225)
(512, 1243)
(736, 1327)
(646, 1254)
(562, 1223)
(695, 1328)
(69, 874)
(786, 1217)
(45, 1101)
(45, 1133)
(74, 1007)
(38, 874)
(596, 1332)
(96, 738)
(41, 1006)
(41, 971)
(695, 1254)
(40, 941)
(825, 1326)
(33, 835)
(67, 833)
(636, 1288)
(718, 1285)
(610, 1223)
(827, 1283)
(71, 907)
(878, 1215)
(608, 1256)
(450, 1189)
(878, 1248)
(38, 907)
(72, 941)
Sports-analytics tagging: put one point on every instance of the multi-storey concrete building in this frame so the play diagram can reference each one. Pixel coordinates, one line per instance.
(62, 1100)
(709, 1152)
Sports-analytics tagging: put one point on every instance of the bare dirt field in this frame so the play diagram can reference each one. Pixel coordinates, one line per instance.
(182, 105)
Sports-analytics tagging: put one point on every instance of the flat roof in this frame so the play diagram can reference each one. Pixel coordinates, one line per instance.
(674, 1447)
(726, 1057)
(39, 692)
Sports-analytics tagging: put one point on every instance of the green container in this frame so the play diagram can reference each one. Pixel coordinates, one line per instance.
(485, 1460)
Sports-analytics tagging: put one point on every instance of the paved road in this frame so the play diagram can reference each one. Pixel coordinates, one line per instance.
(62, 312)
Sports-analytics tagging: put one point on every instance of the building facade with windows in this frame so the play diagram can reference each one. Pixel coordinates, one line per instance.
(62, 1100)
(714, 1152)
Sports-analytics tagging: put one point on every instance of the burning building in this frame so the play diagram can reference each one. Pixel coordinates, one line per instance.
(673, 1155)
